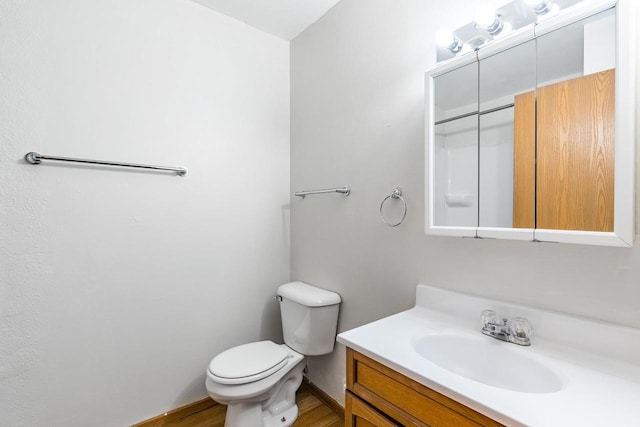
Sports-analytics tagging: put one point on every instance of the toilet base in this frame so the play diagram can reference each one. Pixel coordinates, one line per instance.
(279, 410)
(283, 419)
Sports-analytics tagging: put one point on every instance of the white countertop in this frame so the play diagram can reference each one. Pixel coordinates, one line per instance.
(598, 363)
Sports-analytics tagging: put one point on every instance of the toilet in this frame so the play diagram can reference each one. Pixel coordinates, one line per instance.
(258, 381)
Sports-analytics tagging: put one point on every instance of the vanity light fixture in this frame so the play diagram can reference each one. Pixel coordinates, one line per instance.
(541, 7)
(493, 22)
(488, 20)
(445, 38)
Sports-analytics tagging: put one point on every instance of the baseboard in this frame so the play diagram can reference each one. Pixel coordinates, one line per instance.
(178, 414)
(185, 411)
(324, 397)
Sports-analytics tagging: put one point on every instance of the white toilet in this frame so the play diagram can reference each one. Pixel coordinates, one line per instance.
(258, 381)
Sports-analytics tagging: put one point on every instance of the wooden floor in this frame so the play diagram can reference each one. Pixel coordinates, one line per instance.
(313, 413)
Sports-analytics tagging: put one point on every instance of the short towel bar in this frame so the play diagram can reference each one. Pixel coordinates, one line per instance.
(346, 190)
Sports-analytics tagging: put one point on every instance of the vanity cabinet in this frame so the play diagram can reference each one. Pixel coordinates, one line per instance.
(379, 396)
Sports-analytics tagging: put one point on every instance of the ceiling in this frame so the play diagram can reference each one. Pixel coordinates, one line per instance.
(282, 18)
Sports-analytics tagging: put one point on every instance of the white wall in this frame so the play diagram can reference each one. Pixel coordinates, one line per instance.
(117, 287)
(357, 118)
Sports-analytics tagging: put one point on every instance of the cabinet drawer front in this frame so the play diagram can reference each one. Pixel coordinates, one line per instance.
(405, 400)
(359, 414)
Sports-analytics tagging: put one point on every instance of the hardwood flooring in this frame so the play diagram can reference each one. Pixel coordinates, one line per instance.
(313, 413)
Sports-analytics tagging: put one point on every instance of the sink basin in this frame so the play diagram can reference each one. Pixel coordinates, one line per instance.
(488, 361)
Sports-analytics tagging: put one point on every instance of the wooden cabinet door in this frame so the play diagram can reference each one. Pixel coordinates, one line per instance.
(360, 414)
(524, 160)
(575, 153)
(403, 401)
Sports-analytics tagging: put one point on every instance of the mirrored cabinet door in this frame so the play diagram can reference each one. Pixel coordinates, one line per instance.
(507, 138)
(576, 126)
(455, 148)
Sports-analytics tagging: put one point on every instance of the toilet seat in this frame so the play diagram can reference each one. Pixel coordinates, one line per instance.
(248, 362)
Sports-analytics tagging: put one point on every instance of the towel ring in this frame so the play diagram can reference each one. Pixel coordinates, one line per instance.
(395, 194)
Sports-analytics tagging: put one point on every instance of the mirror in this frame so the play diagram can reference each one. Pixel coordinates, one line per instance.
(507, 159)
(456, 147)
(575, 125)
(529, 138)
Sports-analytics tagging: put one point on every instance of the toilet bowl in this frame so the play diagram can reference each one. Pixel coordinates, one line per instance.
(268, 401)
(258, 381)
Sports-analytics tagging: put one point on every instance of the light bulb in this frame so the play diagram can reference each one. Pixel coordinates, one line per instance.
(485, 15)
(444, 37)
(488, 20)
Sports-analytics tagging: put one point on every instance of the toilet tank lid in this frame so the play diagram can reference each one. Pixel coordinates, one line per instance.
(308, 295)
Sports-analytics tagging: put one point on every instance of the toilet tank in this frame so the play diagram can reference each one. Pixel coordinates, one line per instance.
(309, 318)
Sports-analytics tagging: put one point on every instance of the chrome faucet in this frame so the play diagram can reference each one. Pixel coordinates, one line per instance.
(516, 330)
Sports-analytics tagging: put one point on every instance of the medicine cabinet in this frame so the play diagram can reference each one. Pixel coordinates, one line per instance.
(532, 136)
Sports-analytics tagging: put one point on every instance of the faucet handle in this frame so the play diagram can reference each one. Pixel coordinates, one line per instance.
(489, 317)
(519, 330)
